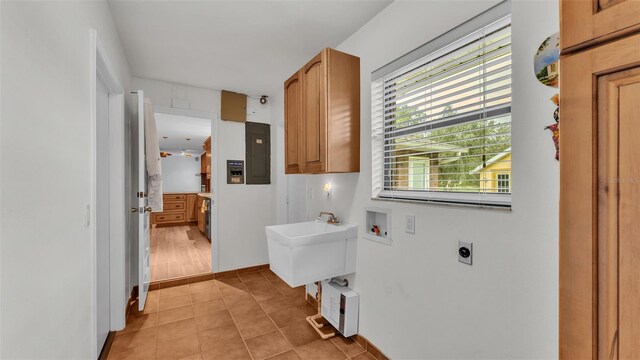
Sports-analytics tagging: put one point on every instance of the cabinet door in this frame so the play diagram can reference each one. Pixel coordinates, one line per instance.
(200, 214)
(600, 202)
(191, 207)
(585, 22)
(618, 210)
(314, 120)
(292, 119)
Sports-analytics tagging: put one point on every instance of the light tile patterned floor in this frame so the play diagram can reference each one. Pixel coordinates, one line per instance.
(253, 316)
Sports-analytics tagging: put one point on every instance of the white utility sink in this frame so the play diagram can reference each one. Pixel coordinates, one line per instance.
(303, 253)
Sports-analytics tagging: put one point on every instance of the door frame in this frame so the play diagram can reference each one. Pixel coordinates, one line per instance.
(101, 67)
(213, 220)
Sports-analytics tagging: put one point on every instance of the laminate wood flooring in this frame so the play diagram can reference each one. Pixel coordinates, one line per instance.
(178, 251)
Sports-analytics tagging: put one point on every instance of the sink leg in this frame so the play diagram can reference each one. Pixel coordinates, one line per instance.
(313, 318)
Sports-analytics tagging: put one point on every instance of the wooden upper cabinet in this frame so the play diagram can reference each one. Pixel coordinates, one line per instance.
(292, 108)
(327, 89)
(314, 124)
(588, 22)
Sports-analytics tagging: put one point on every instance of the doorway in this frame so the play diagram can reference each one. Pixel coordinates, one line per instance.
(181, 233)
(102, 212)
(106, 216)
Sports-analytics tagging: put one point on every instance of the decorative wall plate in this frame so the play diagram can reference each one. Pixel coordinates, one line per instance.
(545, 63)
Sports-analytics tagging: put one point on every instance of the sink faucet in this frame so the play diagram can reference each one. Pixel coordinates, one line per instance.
(332, 217)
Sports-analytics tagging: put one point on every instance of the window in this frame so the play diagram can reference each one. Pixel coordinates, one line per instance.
(442, 117)
(503, 183)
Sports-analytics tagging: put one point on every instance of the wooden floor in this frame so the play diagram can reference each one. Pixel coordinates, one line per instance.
(179, 251)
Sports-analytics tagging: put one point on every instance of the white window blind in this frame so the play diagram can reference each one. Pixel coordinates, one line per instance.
(442, 124)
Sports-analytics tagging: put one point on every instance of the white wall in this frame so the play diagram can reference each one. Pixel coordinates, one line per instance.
(180, 174)
(46, 253)
(243, 210)
(417, 301)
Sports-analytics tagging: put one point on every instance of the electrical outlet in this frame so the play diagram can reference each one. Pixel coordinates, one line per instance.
(410, 224)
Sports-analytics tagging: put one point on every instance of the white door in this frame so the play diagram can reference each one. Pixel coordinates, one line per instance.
(142, 212)
(102, 212)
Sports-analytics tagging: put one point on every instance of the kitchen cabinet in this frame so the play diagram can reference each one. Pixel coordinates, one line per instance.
(178, 209)
(205, 165)
(200, 213)
(322, 115)
(599, 199)
(585, 23)
(191, 207)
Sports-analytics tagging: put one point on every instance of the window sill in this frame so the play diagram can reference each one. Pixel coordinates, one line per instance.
(445, 203)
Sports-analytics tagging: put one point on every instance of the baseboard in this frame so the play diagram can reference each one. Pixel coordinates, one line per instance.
(183, 280)
(366, 344)
(104, 354)
(241, 271)
(175, 224)
(163, 284)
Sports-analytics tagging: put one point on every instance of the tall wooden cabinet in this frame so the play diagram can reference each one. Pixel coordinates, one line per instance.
(322, 115)
(600, 180)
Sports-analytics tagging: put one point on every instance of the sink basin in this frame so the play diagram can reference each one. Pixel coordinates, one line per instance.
(307, 252)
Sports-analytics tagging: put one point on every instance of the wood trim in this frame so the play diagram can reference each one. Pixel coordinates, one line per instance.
(163, 284)
(104, 354)
(195, 222)
(183, 280)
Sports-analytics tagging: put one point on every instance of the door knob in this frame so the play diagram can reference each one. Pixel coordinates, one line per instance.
(148, 209)
(134, 210)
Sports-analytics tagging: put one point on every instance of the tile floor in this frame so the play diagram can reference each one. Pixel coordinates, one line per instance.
(252, 316)
(178, 251)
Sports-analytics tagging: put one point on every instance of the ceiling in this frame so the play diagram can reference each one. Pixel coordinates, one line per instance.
(178, 129)
(244, 46)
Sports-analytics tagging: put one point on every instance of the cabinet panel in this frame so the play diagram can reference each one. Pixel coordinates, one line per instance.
(292, 115)
(343, 139)
(173, 206)
(172, 197)
(191, 207)
(600, 202)
(587, 22)
(169, 218)
(314, 118)
(200, 214)
(629, 226)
